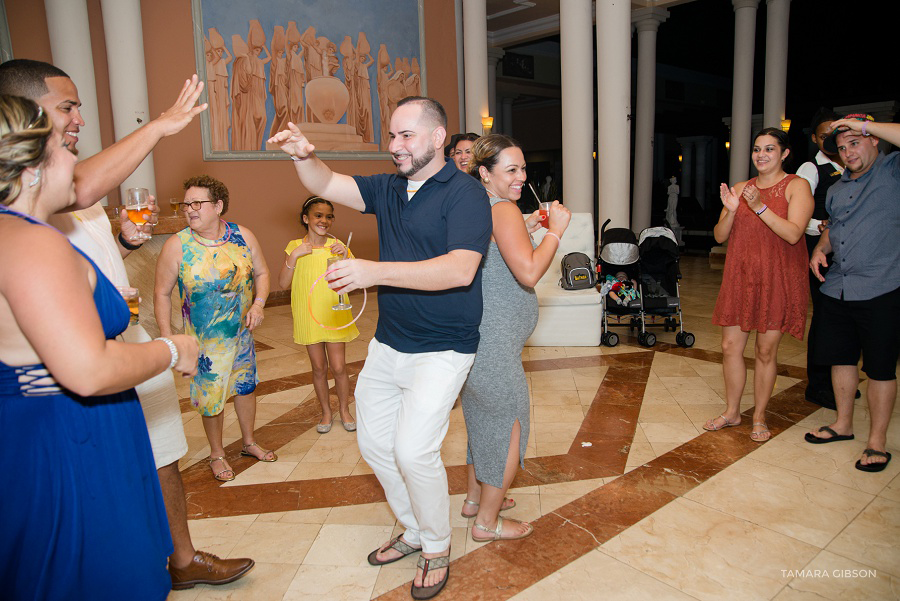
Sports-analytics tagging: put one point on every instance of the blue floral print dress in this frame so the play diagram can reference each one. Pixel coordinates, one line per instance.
(216, 286)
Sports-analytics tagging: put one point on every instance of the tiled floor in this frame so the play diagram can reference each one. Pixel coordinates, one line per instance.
(630, 498)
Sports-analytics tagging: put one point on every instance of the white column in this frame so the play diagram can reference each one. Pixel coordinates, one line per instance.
(576, 45)
(128, 79)
(507, 116)
(70, 45)
(742, 90)
(493, 57)
(475, 50)
(647, 22)
(460, 64)
(614, 109)
(777, 16)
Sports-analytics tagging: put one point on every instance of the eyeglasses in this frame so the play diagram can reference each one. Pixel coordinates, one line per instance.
(193, 204)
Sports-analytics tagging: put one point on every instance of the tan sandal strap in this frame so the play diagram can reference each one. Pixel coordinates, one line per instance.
(432, 563)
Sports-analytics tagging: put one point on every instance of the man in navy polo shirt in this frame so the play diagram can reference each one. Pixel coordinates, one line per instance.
(861, 291)
(434, 226)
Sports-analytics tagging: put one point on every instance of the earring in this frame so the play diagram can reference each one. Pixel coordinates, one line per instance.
(37, 178)
(484, 180)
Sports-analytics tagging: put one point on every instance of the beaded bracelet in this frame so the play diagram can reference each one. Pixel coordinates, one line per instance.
(172, 349)
(288, 266)
(260, 300)
(762, 210)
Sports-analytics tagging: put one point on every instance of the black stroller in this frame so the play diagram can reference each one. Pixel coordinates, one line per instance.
(652, 263)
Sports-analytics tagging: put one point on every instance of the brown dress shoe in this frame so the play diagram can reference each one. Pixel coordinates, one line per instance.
(206, 568)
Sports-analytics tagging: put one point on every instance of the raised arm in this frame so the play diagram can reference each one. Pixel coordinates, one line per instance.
(96, 176)
(315, 175)
(889, 132)
(49, 291)
(166, 278)
(510, 232)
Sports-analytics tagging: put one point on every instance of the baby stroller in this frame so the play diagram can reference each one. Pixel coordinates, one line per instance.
(652, 263)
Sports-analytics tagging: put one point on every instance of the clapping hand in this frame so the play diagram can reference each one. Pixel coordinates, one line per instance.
(729, 198)
(751, 195)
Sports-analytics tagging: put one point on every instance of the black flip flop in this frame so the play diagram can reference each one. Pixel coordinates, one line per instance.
(873, 467)
(835, 437)
(397, 545)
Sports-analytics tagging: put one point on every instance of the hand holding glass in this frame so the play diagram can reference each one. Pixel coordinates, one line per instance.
(341, 305)
(132, 297)
(544, 211)
(137, 205)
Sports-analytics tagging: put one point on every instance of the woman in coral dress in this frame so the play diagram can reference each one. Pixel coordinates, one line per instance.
(764, 286)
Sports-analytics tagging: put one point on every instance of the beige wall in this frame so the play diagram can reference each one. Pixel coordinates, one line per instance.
(265, 195)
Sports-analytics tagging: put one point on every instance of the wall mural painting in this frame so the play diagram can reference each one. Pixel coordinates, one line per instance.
(311, 62)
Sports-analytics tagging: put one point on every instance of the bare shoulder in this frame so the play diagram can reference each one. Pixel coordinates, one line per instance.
(36, 253)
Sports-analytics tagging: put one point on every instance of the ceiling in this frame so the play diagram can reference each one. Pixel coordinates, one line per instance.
(515, 21)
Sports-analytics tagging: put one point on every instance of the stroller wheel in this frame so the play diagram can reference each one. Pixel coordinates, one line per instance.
(679, 338)
(688, 340)
(649, 339)
(612, 339)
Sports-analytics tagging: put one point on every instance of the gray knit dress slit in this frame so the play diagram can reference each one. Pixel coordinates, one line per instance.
(495, 394)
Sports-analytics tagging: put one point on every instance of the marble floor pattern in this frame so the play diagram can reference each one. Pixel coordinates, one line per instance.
(629, 496)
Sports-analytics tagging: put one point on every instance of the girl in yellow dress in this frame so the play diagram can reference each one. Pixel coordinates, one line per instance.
(306, 260)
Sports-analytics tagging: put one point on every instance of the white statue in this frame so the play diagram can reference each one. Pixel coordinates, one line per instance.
(673, 190)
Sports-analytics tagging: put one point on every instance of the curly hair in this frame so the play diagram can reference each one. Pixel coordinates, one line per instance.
(217, 190)
(24, 133)
(486, 152)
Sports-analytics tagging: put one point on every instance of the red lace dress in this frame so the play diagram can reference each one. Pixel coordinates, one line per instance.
(764, 286)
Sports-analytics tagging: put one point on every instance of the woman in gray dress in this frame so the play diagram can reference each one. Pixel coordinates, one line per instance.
(495, 396)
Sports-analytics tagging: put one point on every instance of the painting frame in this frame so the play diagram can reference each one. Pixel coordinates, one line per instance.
(201, 26)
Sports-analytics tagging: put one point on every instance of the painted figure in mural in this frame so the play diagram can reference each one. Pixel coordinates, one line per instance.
(330, 61)
(671, 207)
(363, 97)
(217, 87)
(384, 76)
(278, 81)
(414, 79)
(241, 134)
(296, 74)
(348, 52)
(257, 109)
(313, 54)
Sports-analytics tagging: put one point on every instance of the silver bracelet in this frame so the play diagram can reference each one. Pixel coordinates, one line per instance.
(172, 349)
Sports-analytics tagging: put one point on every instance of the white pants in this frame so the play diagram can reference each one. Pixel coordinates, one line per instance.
(159, 401)
(403, 403)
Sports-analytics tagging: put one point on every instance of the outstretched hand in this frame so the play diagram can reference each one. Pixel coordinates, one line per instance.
(729, 198)
(184, 110)
(293, 142)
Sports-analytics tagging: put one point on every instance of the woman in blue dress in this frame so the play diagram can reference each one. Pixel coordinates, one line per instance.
(81, 514)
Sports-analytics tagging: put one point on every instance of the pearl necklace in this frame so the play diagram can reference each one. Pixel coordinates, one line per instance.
(218, 241)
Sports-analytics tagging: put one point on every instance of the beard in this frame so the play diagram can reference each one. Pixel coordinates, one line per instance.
(418, 163)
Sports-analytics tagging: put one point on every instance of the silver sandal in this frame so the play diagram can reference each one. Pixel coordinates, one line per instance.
(497, 533)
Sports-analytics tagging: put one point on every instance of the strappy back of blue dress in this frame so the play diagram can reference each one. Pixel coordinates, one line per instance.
(83, 518)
